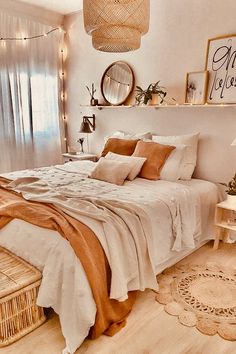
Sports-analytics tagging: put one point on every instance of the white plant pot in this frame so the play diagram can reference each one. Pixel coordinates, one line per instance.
(231, 199)
(154, 100)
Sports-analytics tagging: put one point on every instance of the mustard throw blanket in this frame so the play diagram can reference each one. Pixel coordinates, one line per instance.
(111, 314)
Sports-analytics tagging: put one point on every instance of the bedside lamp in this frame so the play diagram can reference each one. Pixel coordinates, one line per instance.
(87, 127)
(86, 124)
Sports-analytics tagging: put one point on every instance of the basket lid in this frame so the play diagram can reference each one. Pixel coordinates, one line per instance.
(15, 273)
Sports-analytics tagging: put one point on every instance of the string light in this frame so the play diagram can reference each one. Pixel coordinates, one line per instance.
(24, 38)
(120, 83)
(3, 44)
(63, 95)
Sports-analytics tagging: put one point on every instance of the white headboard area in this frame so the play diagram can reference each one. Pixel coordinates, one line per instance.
(171, 49)
(217, 126)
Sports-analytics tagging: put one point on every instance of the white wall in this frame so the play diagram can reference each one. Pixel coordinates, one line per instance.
(175, 44)
(34, 12)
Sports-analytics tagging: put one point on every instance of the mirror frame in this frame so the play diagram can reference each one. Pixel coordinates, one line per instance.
(131, 86)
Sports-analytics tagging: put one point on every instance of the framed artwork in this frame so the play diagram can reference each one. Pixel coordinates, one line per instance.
(196, 87)
(221, 64)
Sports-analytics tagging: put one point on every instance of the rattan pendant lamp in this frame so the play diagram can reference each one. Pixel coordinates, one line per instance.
(116, 25)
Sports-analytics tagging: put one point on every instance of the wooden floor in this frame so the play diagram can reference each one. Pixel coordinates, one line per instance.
(149, 329)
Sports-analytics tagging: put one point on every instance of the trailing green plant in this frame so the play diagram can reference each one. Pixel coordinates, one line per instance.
(143, 96)
(232, 186)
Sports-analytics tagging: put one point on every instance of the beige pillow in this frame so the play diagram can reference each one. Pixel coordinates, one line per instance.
(190, 156)
(119, 146)
(156, 155)
(171, 171)
(111, 171)
(135, 163)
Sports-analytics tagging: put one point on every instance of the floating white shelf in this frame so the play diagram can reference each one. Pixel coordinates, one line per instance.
(185, 105)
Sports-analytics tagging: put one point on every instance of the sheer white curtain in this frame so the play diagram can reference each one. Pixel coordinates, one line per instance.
(29, 100)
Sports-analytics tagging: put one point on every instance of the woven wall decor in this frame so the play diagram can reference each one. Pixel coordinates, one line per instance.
(201, 296)
(116, 25)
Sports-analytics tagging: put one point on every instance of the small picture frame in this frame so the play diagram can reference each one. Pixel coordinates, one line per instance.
(196, 87)
(220, 63)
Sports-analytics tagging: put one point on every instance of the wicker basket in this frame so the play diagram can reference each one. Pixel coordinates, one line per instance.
(19, 284)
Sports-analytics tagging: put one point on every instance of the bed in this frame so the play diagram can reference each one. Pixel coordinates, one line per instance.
(176, 218)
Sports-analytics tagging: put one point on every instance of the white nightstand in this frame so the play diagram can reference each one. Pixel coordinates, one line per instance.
(79, 156)
(225, 220)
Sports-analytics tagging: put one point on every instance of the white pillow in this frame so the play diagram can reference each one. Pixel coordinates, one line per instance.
(136, 163)
(122, 135)
(171, 171)
(118, 134)
(111, 171)
(141, 136)
(190, 157)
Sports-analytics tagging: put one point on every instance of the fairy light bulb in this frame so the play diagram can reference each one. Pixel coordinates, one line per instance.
(3, 44)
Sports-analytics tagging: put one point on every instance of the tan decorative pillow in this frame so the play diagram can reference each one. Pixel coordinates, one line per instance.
(156, 155)
(135, 163)
(119, 146)
(111, 171)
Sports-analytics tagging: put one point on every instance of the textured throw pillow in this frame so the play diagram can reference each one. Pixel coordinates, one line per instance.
(119, 146)
(111, 171)
(117, 134)
(156, 155)
(190, 157)
(135, 163)
(122, 135)
(171, 171)
(140, 136)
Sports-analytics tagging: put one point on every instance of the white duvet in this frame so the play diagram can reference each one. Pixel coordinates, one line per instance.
(174, 214)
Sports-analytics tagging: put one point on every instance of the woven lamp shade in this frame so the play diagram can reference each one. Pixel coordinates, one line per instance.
(234, 142)
(116, 25)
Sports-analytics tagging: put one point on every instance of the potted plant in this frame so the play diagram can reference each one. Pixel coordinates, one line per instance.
(231, 190)
(144, 96)
(93, 101)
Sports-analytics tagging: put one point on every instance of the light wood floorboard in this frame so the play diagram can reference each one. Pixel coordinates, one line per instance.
(149, 329)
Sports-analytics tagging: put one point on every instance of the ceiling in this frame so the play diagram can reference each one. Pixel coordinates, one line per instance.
(61, 6)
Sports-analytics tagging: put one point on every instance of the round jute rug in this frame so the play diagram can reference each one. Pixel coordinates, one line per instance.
(201, 296)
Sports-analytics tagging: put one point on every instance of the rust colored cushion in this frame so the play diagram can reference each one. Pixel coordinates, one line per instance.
(156, 155)
(119, 146)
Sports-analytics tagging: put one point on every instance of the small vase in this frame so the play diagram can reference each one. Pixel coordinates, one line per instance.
(81, 141)
(93, 102)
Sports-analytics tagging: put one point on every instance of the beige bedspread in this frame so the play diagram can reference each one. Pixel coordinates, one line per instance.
(111, 314)
(127, 227)
(137, 224)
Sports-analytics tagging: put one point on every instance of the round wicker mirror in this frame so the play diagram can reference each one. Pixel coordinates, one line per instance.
(117, 83)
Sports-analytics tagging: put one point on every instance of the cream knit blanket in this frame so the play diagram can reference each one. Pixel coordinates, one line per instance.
(126, 219)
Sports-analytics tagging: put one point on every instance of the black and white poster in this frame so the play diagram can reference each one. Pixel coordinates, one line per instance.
(221, 64)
